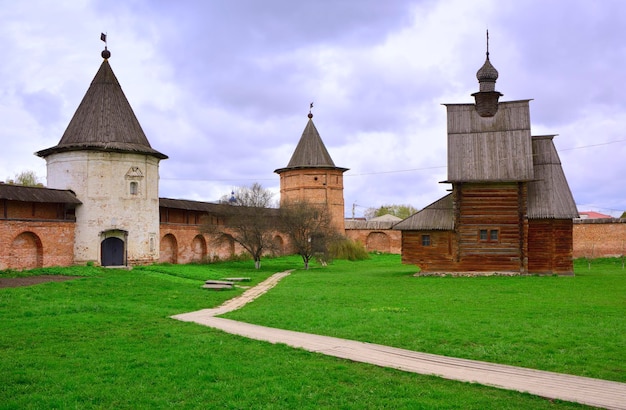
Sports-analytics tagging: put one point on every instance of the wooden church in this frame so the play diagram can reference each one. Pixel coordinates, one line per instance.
(510, 209)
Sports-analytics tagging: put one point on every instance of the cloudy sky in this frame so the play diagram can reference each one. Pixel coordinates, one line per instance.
(223, 86)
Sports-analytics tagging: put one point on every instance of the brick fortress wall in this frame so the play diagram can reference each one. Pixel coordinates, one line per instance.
(28, 244)
(375, 236)
(596, 238)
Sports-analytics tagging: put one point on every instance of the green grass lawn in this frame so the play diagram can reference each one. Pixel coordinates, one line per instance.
(570, 325)
(105, 340)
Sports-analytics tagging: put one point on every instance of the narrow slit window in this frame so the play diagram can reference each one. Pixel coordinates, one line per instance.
(134, 188)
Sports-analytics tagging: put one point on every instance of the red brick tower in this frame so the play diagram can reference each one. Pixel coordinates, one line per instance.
(312, 176)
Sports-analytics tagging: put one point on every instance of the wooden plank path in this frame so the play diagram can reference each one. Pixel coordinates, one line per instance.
(584, 390)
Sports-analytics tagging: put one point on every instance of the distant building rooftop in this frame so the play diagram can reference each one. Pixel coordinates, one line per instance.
(593, 215)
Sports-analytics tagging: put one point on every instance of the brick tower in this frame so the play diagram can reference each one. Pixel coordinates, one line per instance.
(312, 176)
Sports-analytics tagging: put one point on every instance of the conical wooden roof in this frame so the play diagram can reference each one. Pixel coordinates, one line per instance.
(104, 121)
(310, 151)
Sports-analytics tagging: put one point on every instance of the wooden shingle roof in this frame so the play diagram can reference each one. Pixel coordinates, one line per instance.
(489, 149)
(438, 216)
(310, 151)
(381, 222)
(23, 193)
(549, 195)
(219, 209)
(104, 121)
(189, 205)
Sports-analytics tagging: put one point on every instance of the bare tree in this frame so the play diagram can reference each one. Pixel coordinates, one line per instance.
(309, 228)
(248, 220)
(253, 196)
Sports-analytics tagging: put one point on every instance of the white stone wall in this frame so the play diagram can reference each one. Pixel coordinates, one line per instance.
(102, 182)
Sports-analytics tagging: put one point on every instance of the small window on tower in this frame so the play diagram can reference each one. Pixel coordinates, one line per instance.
(134, 188)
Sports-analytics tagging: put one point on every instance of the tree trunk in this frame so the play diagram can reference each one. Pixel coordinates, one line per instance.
(257, 264)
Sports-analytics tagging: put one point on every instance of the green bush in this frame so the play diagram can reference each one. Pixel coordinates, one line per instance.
(348, 249)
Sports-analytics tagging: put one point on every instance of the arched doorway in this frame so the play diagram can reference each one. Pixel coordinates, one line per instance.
(225, 247)
(279, 245)
(26, 251)
(378, 241)
(112, 252)
(168, 252)
(198, 249)
(113, 247)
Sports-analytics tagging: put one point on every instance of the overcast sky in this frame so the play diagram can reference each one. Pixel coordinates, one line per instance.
(223, 87)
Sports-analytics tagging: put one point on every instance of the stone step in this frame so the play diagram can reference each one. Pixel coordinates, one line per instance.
(218, 282)
(217, 286)
(237, 279)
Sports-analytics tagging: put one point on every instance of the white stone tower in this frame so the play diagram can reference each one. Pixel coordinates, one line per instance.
(106, 159)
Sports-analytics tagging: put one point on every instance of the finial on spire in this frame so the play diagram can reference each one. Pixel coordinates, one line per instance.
(310, 113)
(487, 44)
(105, 53)
(487, 75)
(487, 97)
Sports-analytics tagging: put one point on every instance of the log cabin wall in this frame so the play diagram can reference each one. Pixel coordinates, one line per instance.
(491, 227)
(550, 244)
(434, 254)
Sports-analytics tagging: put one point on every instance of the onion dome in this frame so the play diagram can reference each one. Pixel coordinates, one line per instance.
(487, 97)
(487, 76)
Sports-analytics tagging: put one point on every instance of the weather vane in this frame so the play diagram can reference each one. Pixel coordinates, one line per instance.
(105, 53)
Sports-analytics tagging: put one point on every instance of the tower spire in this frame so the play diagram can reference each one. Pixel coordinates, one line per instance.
(487, 75)
(487, 96)
(487, 44)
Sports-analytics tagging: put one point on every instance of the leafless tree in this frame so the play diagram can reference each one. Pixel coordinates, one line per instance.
(248, 220)
(253, 196)
(309, 228)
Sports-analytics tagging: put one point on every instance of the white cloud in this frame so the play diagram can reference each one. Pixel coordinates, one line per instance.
(223, 87)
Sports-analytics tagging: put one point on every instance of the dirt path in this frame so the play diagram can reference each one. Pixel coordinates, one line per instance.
(593, 392)
(34, 280)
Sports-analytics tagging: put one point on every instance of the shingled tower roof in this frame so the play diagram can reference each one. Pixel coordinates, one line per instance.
(104, 120)
(310, 151)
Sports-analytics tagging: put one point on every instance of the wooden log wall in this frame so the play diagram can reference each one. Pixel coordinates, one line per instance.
(437, 257)
(497, 207)
(550, 246)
